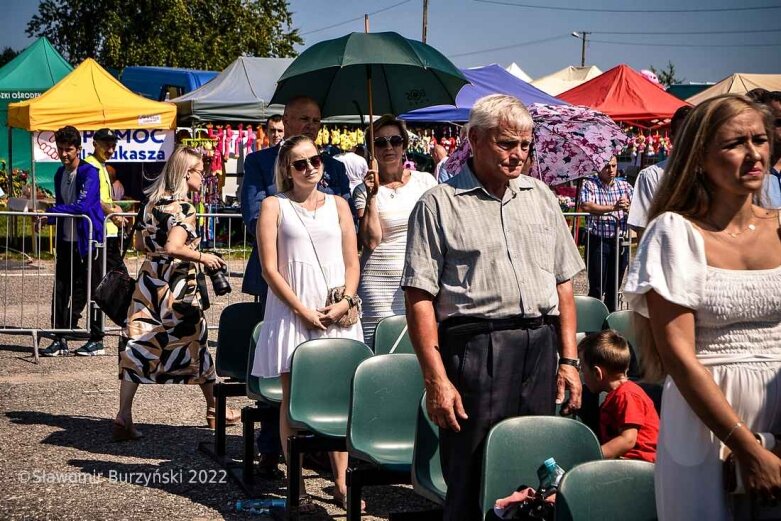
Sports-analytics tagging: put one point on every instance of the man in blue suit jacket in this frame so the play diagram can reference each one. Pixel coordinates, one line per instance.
(301, 117)
(77, 191)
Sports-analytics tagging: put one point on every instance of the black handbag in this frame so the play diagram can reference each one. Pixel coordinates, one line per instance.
(115, 292)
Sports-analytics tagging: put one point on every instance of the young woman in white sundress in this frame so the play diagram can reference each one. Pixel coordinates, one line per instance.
(292, 224)
(707, 279)
(384, 202)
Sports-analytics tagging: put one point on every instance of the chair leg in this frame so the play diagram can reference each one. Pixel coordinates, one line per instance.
(293, 477)
(248, 436)
(219, 412)
(354, 486)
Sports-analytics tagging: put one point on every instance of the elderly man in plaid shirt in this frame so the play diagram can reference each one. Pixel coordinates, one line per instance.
(607, 197)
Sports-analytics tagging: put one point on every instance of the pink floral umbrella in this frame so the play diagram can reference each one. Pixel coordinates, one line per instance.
(570, 142)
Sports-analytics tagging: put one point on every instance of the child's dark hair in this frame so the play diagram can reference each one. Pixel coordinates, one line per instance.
(607, 349)
(68, 136)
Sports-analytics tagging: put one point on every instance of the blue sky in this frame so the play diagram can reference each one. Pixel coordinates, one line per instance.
(709, 46)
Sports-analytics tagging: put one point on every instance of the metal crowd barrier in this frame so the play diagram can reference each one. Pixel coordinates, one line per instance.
(28, 258)
(582, 237)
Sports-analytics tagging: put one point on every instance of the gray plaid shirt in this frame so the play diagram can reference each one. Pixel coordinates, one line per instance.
(485, 258)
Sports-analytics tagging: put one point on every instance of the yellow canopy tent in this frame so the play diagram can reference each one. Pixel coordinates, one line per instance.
(90, 98)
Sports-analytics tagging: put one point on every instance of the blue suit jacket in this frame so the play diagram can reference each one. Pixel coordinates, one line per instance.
(87, 203)
(258, 183)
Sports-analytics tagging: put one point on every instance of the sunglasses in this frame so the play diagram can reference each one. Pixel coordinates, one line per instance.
(300, 164)
(382, 142)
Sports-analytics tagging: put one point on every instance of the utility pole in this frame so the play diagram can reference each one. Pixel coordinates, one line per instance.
(425, 20)
(582, 35)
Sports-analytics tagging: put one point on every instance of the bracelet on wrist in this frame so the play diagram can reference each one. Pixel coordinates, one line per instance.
(732, 431)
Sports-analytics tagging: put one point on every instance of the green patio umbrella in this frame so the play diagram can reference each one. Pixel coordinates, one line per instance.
(374, 73)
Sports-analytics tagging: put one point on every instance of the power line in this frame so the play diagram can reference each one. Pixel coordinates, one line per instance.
(593, 10)
(751, 31)
(522, 44)
(356, 18)
(683, 45)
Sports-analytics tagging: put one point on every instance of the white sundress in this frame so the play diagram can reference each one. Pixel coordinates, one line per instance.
(737, 338)
(282, 330)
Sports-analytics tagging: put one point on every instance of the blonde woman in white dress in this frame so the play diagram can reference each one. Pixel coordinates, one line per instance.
(707, 276)
(384, 202)
(307, 245)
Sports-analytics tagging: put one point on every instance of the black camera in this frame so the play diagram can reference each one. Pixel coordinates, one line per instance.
(219, 280)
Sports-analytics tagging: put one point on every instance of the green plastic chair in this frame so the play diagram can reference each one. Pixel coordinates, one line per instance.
(384, 402)
(621, 321)
(267, 390)
(607, 490)
(391, 336)
(591, 314)
(427, 478)
(321, 376)
(515, 448)
(233, 336)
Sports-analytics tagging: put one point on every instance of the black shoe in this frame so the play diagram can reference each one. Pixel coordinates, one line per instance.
(91, 348)
(57, 348)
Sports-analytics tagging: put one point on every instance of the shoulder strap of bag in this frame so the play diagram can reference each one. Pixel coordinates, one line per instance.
(311, 242)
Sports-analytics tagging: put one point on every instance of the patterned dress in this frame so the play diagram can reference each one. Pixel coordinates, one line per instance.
(166, 327)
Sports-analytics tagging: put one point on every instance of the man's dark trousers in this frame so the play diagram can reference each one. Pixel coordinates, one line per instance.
(70, 289)
(500, 374)
(602, 269)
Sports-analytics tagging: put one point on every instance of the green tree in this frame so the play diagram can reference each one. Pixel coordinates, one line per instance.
(197, 34)
(7, 55)
(666, 76)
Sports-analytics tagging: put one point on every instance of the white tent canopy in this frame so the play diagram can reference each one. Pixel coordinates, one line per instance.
(739, 83)
(516, 71)
(566, 79)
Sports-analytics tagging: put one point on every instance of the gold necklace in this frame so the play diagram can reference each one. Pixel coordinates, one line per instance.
(750, 228)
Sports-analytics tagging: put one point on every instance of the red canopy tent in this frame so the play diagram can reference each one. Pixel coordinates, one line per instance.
(626, 96)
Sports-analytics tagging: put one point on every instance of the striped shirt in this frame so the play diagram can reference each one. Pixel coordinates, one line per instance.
(597, 192)
(483, 257)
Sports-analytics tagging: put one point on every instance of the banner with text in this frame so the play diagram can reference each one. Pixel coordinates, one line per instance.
(132, 146)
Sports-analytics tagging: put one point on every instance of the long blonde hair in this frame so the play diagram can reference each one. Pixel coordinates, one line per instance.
(173, 179)
(685, 190)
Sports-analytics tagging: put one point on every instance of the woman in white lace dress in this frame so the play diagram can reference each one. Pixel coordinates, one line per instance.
(384, 202)
(707, 275)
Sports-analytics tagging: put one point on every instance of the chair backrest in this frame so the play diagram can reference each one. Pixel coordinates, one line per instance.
(383, 409)
(427, 478)
(608, 489)
(391, 336)
(591, 314)
(233, 337)
(321, 376)
(515, 448)
(267, 390)
(621, 322)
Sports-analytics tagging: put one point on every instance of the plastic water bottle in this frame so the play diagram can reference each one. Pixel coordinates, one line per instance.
(550, 475)
(260, 507)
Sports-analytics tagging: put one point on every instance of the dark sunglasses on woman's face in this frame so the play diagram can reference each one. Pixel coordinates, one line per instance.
(382, 142)
(300, 164)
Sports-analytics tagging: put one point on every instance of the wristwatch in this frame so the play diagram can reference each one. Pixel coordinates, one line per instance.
(574, 362)
(350, 300)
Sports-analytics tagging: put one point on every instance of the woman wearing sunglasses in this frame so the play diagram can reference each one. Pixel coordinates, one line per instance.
(307, 245)
(384, 202)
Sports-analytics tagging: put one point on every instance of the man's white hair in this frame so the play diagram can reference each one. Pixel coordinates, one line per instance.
(489, 111)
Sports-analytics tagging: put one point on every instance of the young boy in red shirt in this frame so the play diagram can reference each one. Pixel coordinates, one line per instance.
(628, 423)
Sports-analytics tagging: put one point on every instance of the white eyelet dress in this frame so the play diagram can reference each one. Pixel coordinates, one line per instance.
(737, 338)
(282, 330)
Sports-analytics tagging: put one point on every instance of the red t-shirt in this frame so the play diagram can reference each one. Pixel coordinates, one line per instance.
(629, 407)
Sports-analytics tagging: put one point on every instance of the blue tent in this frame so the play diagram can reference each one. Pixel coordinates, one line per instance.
(491, 79)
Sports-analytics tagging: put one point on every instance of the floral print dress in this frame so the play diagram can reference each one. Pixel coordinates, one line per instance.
(167, 331)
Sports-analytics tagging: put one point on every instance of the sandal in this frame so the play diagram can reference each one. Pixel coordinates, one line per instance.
(306, 505)
(341, 500)
(121, 432)
(232, 417)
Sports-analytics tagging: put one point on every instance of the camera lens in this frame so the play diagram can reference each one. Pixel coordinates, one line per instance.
(220, 281)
